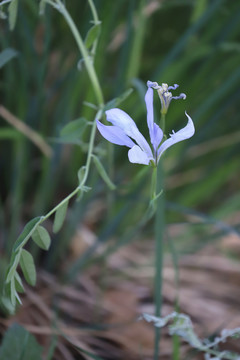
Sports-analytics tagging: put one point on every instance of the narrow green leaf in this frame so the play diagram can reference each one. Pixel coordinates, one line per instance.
(42, 6)
(12, 293)
(118, 100)
(6, 55)
(102, 173)
(12, 270)
(18, 283)
(41, 237)
(17, 298)
(81, 173)
(59, 217)
(12, 10)
(92, 35)
(28, 267)
(26, 233)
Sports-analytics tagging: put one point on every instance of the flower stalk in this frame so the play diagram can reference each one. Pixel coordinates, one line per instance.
(124, 132)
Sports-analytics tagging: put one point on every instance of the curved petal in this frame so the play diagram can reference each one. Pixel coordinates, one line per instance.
(183, 134)
(137, 156)
(155, 132)
(149, 106)
(124, 122)
(114, 135)
(157, 137)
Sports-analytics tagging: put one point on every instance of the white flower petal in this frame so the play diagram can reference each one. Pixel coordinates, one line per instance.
(114, 135)
(183, 134)
(137, 156)
(122, 120)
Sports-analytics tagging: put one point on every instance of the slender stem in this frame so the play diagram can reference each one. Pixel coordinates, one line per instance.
(96, 22)
(154, 183)
(159, 234)
(84, 52)
(75, 191)
(159, 238)
(94, 11)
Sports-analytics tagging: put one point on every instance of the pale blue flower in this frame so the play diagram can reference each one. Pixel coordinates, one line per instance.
(125, 132)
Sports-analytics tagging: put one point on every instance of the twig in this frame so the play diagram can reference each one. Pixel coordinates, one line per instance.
(26, 130)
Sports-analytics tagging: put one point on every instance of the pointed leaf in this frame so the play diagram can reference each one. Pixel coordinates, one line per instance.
(12, 9)
(74, 130)
(26, 233)
(59, 217)
(103, 173)
(6, 55)
(92, 35)
(18, 283)
(28, 267)
(118, 100)
(17, 298)
(81, 173)
(41, 237)
(12, 293)
(12, 270)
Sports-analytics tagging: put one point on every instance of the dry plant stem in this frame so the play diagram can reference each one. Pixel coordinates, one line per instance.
(26, 130)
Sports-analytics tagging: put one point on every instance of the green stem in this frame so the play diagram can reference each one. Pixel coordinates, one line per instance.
(159, 239)
(75, 191)
(84, 52)
(94, 11)
(96, 22)
(154, 184)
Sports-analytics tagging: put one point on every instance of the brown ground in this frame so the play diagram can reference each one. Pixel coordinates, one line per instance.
(111, 296)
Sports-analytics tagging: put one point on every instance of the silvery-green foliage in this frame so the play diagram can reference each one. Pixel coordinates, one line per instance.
(182, 326)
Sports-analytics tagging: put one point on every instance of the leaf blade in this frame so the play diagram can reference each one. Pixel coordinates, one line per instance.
(26, 233)
(103, 173)
(60, 217)
(28, 267)
(41, 237)
(12, 10)
(92, 35)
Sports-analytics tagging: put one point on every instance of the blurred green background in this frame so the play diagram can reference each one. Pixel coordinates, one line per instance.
(192, 43)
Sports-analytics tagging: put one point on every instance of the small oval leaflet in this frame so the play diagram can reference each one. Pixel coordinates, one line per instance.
(59, 217)
(12, 270)
(92, 35)
(41, 237)
(26, 233)
(102, 173)
(28, 267)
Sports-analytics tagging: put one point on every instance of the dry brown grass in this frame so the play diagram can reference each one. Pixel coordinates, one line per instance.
(99, 312)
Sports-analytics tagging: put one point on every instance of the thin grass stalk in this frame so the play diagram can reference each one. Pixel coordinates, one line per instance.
(159, 237)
